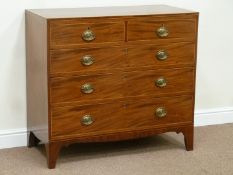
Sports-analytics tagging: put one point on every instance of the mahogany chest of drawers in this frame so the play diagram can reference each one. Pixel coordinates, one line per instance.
(108, 74)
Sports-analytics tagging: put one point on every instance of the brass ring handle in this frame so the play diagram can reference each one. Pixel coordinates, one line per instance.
(162, 32)
(161, 82)
(87, 88)
(160, 112)
(87, 120)
(87, 60)
(162, 55)
(88, 35)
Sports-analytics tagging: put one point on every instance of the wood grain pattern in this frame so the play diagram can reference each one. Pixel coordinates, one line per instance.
(188, 133)
(119, 85)
(70, 32)
(125, 134)
(145, 28)
(55, 146)
(36, 73)
(68, 89)
(68, 60)
(52, 151)
(113, 117)
(179, 54)
(144, 83)
(123, 75)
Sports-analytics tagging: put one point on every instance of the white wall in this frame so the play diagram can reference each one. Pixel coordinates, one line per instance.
(215, 58)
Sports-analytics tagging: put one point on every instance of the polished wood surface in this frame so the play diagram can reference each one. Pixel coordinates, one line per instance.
(123, 74)
(144, 83)
(69, 60)
(68, 89)
(117, 85)
(119, 116)
(145, 28)
(188, 133)
(139, 56)
(53, 147)
(70, 32)
(52, 151)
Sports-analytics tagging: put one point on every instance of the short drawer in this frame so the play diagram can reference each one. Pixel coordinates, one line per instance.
(87, 87)
(163, 55)
(92, 59)
(71, 32)
(105, 118)
(160, 82)
(157, 28)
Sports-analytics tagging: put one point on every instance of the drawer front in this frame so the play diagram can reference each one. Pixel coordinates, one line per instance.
(162, 55)
(156, 28)
(92, 59)
(86, 88)
(119, 85)
(158, 82)
(112, 117)
(72, 32)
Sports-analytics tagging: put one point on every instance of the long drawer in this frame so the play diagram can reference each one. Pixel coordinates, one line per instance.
(121, 84)
(94, 59)
(97, 119)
